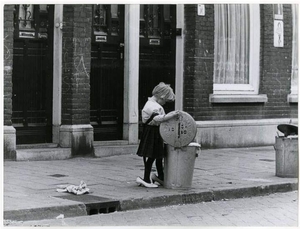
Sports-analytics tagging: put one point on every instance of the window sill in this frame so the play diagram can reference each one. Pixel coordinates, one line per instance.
(292, 98)
(262, 98)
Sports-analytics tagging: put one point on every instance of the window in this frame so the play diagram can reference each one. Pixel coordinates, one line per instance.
(236, 55)
(31, 21)
(231, 64)
(26, 17)
(293, 97)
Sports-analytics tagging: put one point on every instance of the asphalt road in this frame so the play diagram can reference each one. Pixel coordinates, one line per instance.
(279, 209)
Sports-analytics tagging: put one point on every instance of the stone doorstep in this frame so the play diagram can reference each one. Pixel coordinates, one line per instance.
(110, 143)
(112, 150)
(42, 152)
(37, 146)
(86, 207)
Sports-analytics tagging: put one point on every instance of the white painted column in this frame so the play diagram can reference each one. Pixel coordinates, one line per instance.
(57, 72)
(131, 73)
(179, 58)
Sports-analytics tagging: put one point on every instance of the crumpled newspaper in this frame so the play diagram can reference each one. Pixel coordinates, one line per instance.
(77, 190)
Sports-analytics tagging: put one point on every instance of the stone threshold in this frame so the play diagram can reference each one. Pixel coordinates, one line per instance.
(37, 146)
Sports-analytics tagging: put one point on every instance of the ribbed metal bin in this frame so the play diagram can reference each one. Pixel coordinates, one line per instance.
(287, 157)
(179, 166)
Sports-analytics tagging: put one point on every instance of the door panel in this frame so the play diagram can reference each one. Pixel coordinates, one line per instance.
(157, 51)
(107, 72)
(32, 74)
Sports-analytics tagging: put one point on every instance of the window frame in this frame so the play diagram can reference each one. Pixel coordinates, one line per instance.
(253, 87)
(293, 96)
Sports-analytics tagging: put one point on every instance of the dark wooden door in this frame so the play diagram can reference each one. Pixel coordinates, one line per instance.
(107, 72)
(157, 50)
(32, 73)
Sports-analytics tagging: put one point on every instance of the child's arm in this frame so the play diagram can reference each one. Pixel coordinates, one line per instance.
(171, 115)
(164, 118)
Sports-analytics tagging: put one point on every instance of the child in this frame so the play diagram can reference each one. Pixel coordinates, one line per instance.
(151, 146)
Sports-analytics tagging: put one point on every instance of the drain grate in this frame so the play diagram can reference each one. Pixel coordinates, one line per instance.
(57, 175)
(94, 204)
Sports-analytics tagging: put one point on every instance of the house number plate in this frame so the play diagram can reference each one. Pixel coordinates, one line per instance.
(179, 132)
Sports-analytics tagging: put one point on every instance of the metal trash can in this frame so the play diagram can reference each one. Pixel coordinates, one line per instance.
(179, 166)
(287, 155)
(180, 152)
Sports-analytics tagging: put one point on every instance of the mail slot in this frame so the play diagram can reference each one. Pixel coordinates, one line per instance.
(154, 41)
(101, 39)
(27, 34)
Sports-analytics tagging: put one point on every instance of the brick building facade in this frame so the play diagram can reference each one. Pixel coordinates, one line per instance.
(275, 70)
(82, 47)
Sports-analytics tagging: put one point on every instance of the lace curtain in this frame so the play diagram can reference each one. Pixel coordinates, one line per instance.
(232, 34)
(295, 48)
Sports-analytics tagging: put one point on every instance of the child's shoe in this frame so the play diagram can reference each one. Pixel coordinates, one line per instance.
(154, 178)
(140, 181)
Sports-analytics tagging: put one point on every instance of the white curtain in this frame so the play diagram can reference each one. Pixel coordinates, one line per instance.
(231, 57)
(295, 49)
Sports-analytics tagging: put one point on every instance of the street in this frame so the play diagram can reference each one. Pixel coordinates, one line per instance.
(279, 209)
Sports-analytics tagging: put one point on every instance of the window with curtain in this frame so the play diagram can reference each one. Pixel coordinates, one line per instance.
(294, 77)
(236, 54)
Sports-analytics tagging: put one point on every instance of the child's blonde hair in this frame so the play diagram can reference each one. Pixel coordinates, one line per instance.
(164, 91)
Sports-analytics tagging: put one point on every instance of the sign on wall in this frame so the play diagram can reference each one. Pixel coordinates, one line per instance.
(278, 33)
(201, 10)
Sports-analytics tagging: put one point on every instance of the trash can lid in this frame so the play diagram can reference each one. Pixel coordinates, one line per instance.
(288, 129)
(179, 132)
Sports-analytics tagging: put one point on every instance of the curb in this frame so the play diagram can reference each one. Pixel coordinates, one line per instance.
(81, 209)
(45, 213)
(206, 196)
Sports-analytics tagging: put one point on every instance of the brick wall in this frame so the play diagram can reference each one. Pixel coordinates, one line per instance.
(76, 53)
(199, 56)
(8, 62)
(275, 66)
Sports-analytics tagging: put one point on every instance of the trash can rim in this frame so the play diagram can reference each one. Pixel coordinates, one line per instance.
(288, 129)
(194, 144)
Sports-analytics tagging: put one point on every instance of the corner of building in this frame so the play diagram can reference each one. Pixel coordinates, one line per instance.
(9, 142)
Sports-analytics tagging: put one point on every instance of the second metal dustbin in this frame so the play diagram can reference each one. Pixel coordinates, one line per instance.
(287, 155)
(287, 158)
(179, 166)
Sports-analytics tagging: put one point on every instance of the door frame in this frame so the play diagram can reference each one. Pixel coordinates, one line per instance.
(179, 58)
(57, 72)
(131, 69)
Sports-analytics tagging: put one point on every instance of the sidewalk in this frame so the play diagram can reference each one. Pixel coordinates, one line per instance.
(30, 186)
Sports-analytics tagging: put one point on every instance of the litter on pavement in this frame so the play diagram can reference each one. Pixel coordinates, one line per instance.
(77, 190)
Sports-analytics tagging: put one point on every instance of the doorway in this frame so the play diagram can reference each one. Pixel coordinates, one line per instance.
(157, 51)
(107, 72)
(32, 76)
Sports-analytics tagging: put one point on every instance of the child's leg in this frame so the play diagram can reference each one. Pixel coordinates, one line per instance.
(148, 167)
(159, 168)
